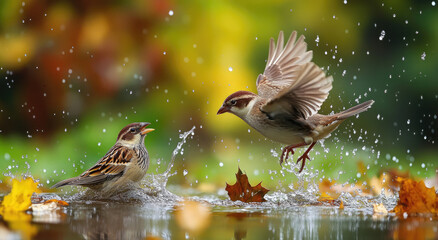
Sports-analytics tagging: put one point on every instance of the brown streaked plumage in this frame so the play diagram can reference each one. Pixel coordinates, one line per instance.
(290, 93)
(127, 161)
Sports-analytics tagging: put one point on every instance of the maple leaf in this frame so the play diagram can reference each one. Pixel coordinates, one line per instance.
(243, 191)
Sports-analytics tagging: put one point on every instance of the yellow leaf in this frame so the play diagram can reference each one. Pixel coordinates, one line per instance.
(19, 197)
(15, 203)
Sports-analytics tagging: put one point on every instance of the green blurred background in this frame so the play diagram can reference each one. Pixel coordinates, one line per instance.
(73, 73)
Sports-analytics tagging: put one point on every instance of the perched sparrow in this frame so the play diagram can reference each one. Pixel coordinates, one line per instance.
(290, 93)
(127, 161)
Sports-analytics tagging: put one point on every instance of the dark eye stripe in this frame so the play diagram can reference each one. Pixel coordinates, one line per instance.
(243, 102)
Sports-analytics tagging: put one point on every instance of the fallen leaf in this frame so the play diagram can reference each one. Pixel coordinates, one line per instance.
(341, 206)
(193, 216)
(324, 198)
(328, 190)
(58, 202)
(243, 191)
(334, 190)
(415, 197)
(19, 199)
(15, 204)
(43, 207)
(379, 209)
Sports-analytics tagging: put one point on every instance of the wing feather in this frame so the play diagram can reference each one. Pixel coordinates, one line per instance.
(111, 165)
(283, 65)
(304, 97)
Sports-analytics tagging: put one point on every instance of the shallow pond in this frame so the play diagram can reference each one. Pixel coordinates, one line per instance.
(152, 218)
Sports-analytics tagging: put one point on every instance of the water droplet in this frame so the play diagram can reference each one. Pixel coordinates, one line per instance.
(221, 164)
(185, 172)
(170, 12)
(382, 35)
(230, 69)
(423, 56)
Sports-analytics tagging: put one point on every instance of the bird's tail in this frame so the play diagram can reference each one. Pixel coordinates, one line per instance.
(354, 110)
(65, 182)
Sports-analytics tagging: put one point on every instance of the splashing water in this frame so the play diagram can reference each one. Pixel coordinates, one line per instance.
(157, 183)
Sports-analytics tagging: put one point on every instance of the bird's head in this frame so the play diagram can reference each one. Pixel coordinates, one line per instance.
(133, 134)
(238, 103)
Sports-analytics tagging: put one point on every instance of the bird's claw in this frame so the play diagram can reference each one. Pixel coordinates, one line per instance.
(286, 151)
(303, 159)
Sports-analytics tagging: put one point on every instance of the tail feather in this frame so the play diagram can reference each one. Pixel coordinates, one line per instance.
(355, 110)
(70, 181)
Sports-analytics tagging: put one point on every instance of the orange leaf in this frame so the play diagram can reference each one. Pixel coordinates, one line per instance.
(415, 197)
(341, 206)
(58, 202)
(244, 192)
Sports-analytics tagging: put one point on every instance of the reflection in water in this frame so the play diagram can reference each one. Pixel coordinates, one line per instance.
(120, 221)
(240, 224)
(153, 220)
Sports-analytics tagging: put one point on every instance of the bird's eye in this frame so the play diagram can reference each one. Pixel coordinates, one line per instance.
(233, 102)
(132, 130)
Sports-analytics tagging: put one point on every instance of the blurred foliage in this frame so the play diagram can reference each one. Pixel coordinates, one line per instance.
(75, 72)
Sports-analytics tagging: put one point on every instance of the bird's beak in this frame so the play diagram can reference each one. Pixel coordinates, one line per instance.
(145, 130)
(223, 109)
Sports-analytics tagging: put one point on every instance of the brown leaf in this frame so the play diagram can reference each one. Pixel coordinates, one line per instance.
(244, 192)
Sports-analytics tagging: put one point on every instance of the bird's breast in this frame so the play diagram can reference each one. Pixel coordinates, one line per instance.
(279, 132)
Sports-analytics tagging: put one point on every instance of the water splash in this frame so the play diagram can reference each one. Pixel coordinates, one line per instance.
(156, 183)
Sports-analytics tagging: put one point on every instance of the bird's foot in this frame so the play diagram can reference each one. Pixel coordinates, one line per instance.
(304, 157)
(286, 151)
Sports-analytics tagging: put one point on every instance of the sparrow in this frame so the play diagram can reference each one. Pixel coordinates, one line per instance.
(127, 161)
(290, 93)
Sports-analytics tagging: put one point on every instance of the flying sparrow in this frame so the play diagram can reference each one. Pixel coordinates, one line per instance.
(290, 92)
(127, 161)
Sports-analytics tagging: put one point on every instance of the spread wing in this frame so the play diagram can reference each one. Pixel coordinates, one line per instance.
(303, 97)
(283, 65)
(112, 165)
